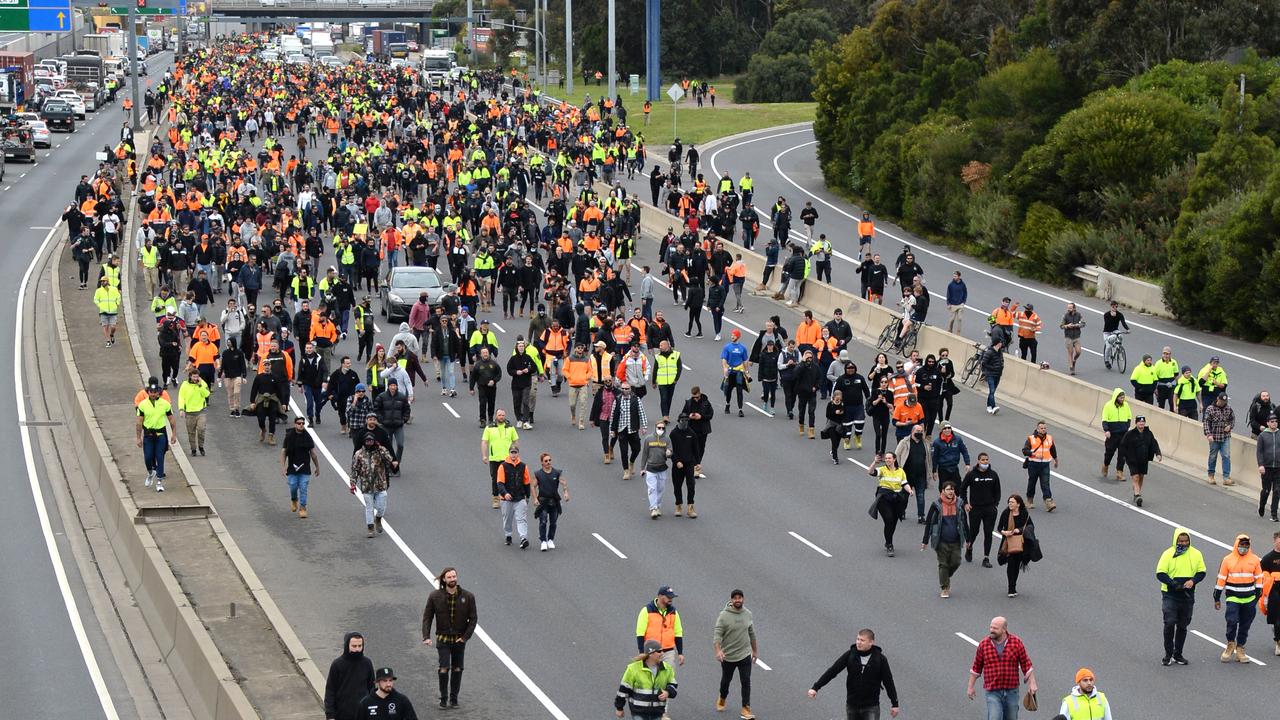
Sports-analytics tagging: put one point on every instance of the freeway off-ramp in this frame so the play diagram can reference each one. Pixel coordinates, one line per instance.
(780, 522)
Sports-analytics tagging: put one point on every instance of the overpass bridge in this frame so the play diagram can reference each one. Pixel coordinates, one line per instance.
(327, 10)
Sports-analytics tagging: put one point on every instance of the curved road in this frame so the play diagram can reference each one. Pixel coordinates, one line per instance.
(784, 162)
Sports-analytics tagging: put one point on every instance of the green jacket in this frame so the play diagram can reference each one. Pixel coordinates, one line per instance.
(641, 686)
(735, 633)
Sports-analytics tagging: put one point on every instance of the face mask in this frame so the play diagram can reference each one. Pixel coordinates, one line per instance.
(983, 466)
(1243, 549)
(661, 430)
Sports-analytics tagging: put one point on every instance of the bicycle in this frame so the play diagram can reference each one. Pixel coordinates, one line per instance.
(1113, 351)
(972, 373)
(889, 337)
(889, 334)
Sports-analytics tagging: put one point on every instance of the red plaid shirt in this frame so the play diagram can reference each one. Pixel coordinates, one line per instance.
(1000, 671)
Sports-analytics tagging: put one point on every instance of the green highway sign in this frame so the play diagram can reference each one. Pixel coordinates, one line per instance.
(35, 15)
(14, 19)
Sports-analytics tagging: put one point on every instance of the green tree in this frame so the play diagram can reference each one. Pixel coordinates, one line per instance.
(1116, 137)
(1239, 159)
(781, 71)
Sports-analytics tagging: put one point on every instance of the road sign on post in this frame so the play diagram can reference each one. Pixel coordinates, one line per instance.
(36, 15)
(675, 92)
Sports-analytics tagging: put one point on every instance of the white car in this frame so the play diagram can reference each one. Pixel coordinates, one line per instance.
(74, 100)
(28, 117)
(39, 133)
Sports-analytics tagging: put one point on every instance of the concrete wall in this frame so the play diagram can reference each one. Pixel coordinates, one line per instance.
(201, 672)
(1137, 294)
(1060, 399)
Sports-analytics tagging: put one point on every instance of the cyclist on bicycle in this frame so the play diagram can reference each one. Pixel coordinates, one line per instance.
(1112, 321)
(915, 305)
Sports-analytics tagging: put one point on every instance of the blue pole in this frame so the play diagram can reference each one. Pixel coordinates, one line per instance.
(653, 49)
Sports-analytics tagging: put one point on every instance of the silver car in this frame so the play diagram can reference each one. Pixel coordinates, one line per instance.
(407, 283)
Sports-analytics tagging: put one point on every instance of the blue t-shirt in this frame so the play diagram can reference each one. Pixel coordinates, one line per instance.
(734, 354)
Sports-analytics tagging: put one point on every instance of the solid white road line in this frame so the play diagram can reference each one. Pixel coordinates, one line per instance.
(609, 545)
(498, 327)
(857, 462)
(1223, 645)
(452, 412)
(40, 227)
(967, 639)
(801, 538)
(980, 271)
(42, 513)
(757, 408)
(426, 573)
(1098, 493)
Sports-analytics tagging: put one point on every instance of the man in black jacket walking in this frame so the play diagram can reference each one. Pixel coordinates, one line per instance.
(868, 671)
(393, 411)
(350, 679)
(453, 612)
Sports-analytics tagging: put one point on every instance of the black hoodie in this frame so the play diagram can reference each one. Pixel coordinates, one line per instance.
(862, 683)
(350, 679)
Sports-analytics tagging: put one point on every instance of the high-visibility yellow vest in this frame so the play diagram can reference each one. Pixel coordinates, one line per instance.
(1083, 707)
(668, 367)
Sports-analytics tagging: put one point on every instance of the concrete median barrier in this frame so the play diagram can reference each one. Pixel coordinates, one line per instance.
(206, 682)
(1055, 396)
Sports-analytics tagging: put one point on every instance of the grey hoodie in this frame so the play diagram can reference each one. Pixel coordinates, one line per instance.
(654, 451)
(735, 633)
(1269, 448)
(406, 335)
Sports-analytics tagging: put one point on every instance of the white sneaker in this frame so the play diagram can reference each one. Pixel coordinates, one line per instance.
(717, 337)
(151, 478)
(995, 410)
(159, 485)
(551, 544)
(544, 546)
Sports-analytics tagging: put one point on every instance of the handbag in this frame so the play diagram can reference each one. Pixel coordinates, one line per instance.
(1013, 543)
(1029, 702)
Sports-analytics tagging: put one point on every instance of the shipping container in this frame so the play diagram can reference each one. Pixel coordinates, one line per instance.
(24, 70)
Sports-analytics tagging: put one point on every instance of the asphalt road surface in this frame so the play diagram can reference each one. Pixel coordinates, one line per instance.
(46, 664)
(777, 519)
(783, 162)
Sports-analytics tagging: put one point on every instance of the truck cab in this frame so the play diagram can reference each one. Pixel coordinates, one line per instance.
(17, 140)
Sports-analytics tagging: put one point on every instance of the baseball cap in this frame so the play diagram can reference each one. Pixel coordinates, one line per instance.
(360, 387)
(153, 385)
(668, 591)
(1215, 358)
(1140, 418)
(652, 646)
(844, 354)
(171, 311)
(383, 673)
(946, 425)
(601, 343)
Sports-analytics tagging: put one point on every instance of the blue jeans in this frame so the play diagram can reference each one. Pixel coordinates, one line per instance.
(447, 381)
(646, 309)
(992, 382)
(1038, 471)
(392, 256)
(314, 400)
(1003, 704)
(1223, 447)
(1239, 618)
(298, 487)
(154, 446)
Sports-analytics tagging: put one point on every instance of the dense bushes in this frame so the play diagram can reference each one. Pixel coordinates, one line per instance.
(1054, 134)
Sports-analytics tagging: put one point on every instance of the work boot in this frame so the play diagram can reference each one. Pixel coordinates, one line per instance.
(1278, 647)
(371, 532)
(626, 473)
(1227, 481)
(1226, 654)
(846, 443)
(262, 436)
(746, 713)
(1241, 656)
(1050, 505)
(344, 429)
(720, 704)
(693, 512)
(811, 435)
(1031, 503)
(377, 523)
(1212, 480)
(271, 438)
(608, 457)
(802, 431)
(1119, 477)
(1105, 471)
(293, 506)
(680, 511)
(302, 512)
(495, 502)
(857, 441)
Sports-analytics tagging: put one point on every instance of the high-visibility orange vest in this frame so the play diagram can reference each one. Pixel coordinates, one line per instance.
(1041, 450)
(1028, 326)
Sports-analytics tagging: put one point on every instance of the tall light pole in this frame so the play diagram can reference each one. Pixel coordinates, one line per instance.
(471, 35)
(537, 41)
(613, 53)
(653, 49)
(136, 118)
(568, 48)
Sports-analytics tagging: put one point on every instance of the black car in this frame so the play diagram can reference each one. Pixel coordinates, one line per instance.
(58, 114)
(407, 283)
